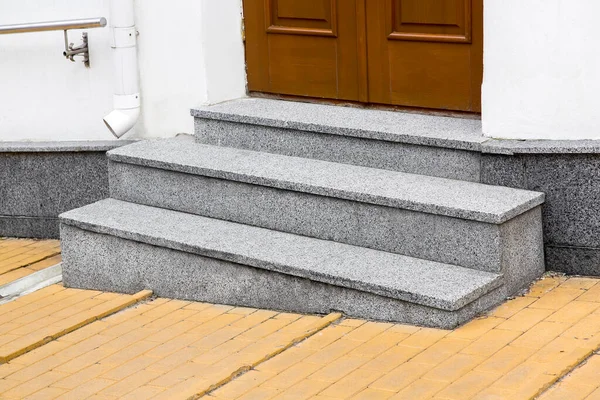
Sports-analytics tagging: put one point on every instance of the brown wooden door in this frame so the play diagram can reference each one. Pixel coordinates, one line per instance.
(416, 53)
(426, 53)
(306, 48)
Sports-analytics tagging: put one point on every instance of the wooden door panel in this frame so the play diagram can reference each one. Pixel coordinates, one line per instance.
(430, 84)
(418, 53)
(431, 20)
(425, 53)
(308, 17)
(306, 48)
(314, 64)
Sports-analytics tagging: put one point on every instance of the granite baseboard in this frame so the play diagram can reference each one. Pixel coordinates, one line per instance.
(39, 180)
(573, 260)
(29, 227)
(571, 182)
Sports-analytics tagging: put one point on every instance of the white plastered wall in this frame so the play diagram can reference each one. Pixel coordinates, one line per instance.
(541, 69)
(190, 53)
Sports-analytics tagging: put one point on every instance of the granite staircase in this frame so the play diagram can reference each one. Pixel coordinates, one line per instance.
(310, 208)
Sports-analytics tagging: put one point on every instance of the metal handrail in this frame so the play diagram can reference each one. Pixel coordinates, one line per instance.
(71, 50)
(84, 23)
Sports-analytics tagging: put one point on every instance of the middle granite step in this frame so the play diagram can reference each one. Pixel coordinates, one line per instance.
(489, 228)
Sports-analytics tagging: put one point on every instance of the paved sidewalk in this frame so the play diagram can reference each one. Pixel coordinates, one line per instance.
(22, 257)
(542, 343)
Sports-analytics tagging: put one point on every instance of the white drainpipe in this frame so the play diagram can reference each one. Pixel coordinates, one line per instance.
(126, 99)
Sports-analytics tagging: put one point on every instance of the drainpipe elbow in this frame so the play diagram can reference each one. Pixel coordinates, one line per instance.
(126, 113)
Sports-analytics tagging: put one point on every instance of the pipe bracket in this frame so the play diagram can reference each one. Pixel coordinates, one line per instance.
(82, 50)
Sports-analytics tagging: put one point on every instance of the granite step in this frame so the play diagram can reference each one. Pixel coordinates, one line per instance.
(489, 228)
(421, 144)
(121, 246)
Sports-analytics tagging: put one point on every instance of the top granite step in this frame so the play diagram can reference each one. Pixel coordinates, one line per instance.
(427, 130)
(459, 199)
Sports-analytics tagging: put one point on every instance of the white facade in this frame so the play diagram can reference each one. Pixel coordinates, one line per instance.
(190, 53)
(541, 69)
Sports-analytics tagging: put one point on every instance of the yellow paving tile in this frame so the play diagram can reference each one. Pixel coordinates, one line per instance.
(338, 369)
(540, 335)
(454, 367)
(291, 376)
(352, 383)
(557, 298)
(505, 360)
(392, 358)
(493, 341)
(39, 323)
(568, 391)
(477, 328)
(517, 351)
(421, 389)
(14, 275)
(545, 285)
(593, 294)
(178, 349)
(525, 319)
(401, 377)
(22, 257)
(512, 306)
(467, 386)
(372, 394)
(121, 357)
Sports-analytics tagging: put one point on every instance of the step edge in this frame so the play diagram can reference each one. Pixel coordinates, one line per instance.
(464, 144)
(479, 216)
(425, 300)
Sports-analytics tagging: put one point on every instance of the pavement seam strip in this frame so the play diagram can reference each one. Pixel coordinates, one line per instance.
(578, 364)
(27, 264)
(135, 298)
(316, 327)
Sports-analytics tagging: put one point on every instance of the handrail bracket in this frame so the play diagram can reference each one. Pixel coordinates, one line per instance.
(82, 50)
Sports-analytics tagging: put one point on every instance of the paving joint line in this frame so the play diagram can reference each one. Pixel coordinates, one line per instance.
(135, 298)
(317, 327)
(579, 364)
(30, 264)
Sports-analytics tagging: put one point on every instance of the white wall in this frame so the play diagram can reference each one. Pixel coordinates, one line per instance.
(190, 53)
(542, 69)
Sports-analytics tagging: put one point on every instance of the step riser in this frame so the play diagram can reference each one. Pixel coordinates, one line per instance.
(416, 159)
(449, 240)
(104, 262)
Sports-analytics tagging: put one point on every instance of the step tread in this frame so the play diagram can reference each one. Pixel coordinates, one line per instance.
(428, 130)
(460, 199)
(428, 283)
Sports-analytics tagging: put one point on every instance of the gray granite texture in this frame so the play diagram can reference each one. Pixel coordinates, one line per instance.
(36, 186)
(451, 198)
(66, 146)
(510, 147)
(31, 227)
(522, 246)
(574, 260)
(571, 213)
(444, 239)
(390, 126)
(395, 156)
(567, 171)
(402, 127)
(403, 278)
(105, 262)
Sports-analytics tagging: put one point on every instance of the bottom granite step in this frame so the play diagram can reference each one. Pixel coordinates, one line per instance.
(120, 246)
